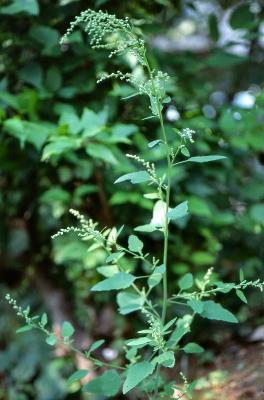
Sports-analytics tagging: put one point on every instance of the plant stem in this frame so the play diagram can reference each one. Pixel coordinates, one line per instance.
(166, 227)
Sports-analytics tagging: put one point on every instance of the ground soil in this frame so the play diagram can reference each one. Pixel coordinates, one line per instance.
(238, 374)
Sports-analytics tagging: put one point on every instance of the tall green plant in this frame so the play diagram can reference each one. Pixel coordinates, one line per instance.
(159, 339)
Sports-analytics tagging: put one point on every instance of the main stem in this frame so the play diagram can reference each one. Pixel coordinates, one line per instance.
(166, 227)
(168, 189)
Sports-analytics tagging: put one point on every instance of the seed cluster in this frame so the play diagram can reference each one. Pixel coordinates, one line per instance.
(106, 31)
(187, 135)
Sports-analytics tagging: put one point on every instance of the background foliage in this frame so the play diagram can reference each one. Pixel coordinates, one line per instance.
(61, 142)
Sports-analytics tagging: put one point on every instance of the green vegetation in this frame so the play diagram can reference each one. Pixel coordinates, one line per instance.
(53, 111)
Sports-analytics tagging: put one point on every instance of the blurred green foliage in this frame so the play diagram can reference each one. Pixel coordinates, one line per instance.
(61, 142)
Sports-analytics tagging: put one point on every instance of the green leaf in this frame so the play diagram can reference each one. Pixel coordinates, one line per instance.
(166, 359)
(107, 384)
(44, 319)
(23, 329)
(108, 270)
(145, 228)
(121, 280)
(213, 27)
(257, 213)
(139, 342)
(129, 302)
(136, 373)
(180, 211)
(114, 256)
(215, 311)
(154, 143)
(92, 123)
(185, 151)
(102, 152)
(96, 345)
(32, 73)
(30, 7)
(156, 276)
(182, 328)
(60, 146)
(77, 376)
(186, 282)
(196, 305)
(241, 295)
(135, 244)
(202, 159)
(242, 17)
(193, 348)
(134, 177)
(67, 329)
(51, 340)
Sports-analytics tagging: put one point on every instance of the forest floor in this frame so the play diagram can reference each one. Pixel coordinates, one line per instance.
(236, 375)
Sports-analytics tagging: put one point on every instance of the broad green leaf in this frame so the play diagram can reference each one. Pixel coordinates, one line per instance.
(45, 35)
(121, 280)
(166, 359)
(96, 345)
(193, 348)
(186, 282)
(139, 342)
(51, 340)
(202, 159)
(156, 276)
(114, 256)
(196, 305)
(242, 17)
(32, 73)
(136, 373)
(257, 213)
(107, 384)
(215, 311)
(129, 302)
(24, 131)
(67, 329)
(241, 295)
(179, 211)
(146, 228)
(102, 152)
(30, 7)
(134, 177)
(108, 270)
(135, 244)
(77, 376)
(60, 146)
(92, 123)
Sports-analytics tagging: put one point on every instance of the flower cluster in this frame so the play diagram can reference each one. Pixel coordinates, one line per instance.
(156, 333)
(150, 167)
(187, 135)
(20, 312)
(106, 31)
(86, 231)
